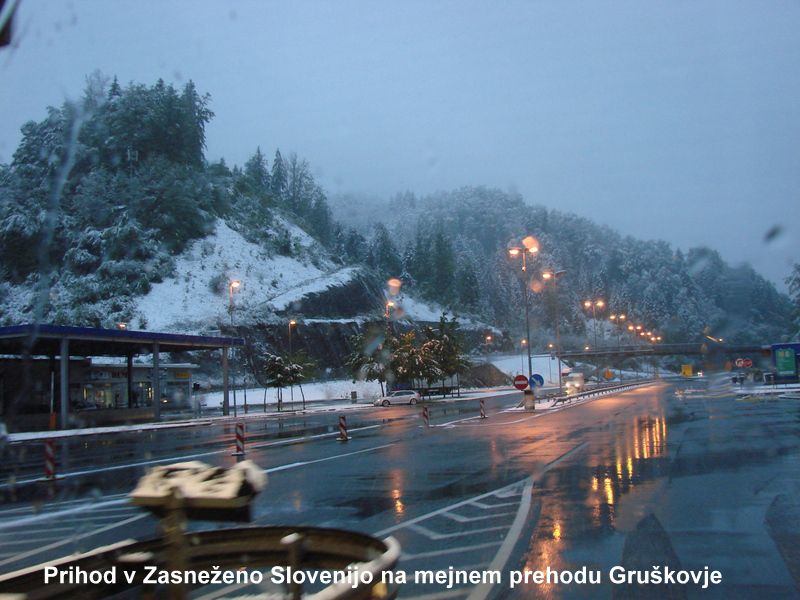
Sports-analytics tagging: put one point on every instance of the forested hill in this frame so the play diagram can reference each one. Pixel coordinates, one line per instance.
(109, 210)
(452, 248)
(103, 196)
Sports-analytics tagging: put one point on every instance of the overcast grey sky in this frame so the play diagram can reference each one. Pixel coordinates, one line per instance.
(671, 120)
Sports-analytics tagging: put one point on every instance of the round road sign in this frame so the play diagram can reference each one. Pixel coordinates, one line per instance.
(747, 363)
(520, 382)
(536, 380)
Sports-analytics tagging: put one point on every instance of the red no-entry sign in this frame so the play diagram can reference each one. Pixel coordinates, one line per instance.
(520, 382)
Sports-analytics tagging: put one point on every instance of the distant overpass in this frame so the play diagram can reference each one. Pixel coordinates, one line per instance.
(697, 348)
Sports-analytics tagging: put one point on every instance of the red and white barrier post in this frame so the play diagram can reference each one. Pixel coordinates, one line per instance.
(483, 410)
(239, 439)
(50, 460)
(426, 416)
(343, 437)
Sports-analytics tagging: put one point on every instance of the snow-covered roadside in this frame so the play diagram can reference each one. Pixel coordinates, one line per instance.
(338, 389)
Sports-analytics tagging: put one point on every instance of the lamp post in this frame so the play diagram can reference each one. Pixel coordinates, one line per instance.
(292, 323)
(234, 284)
(522, 346)
(530, 246)
(553, 275)
(594, 305)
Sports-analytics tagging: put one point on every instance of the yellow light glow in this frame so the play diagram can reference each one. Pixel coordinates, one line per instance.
(595, 484)
(609, 490)
(235, 283)
(630, 468)
(531, 244)
(557, 531)
(587, 304)
(547, 275)
(513, 251)
(600, 304)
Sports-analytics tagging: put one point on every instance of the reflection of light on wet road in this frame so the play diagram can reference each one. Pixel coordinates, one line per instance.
(399, 507)
(557, 531)
(396, 481)
(609, 491)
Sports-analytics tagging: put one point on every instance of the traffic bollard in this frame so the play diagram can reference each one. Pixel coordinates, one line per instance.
(239, 439)
(343, 437)
(483, 410)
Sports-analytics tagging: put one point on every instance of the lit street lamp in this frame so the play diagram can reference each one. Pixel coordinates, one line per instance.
(594, 305)
(233, 285)
(292, 323)
(553, 276)
(530, 246)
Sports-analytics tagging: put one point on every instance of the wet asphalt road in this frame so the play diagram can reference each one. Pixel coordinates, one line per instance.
(663, 475)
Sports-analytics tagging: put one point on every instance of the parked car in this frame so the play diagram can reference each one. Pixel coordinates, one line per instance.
(398, 397)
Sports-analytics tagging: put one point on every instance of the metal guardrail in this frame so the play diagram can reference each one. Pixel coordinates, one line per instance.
(602, 390)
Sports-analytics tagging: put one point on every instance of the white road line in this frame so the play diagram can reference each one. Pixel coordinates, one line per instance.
(327, 458)
(462, 519)
(388, 530)
(61, 513)
(122, 502)
(481, 591)
(27, 540)
(459, 550)
(157, 461)
(69, 540)
(433, 535)
(490, 506)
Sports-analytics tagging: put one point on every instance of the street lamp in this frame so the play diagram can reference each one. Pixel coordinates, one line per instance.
(233, 285)
(522, 344)
(292, 323)
(548, 276)
(530, 246)
(594, 305)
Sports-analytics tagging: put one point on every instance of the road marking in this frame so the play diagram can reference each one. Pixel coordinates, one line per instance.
(433, 535)
(71, 539)
(498, 505)
(481, 591)
(61, 513)
(122, 502)
(462, 519)
(327, 458)
(157, 461)
(459, 550)
(440, 511)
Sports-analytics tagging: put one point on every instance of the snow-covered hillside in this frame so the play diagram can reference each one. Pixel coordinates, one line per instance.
(197, 297)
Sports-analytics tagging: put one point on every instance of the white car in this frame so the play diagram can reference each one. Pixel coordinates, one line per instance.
(398, 397)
